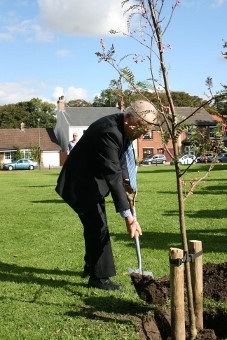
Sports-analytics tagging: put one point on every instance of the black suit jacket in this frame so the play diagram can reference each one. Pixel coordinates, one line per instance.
(96, 166)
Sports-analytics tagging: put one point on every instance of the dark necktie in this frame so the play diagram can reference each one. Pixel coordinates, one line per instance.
(131, 165)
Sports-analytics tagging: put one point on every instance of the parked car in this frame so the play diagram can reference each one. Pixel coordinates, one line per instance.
(155, 159)
(187, 159)
(21, 164)
(206, 158)
(222, 157)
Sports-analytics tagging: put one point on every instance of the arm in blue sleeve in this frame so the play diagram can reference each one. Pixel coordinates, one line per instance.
(126, 213)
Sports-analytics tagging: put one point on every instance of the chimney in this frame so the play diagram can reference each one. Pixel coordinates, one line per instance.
(61, 104)
(22, 125)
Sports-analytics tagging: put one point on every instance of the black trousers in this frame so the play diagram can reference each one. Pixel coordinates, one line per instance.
(98, 251)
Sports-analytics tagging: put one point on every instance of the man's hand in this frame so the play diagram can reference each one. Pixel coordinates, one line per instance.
(127, 187)
(133, 226)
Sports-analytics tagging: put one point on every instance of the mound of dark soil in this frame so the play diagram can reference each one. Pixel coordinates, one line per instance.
(157, 292)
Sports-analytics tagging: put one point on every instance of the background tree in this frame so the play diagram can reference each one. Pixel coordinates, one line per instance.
(78, 103)
(225, 48)
(221, 102)
(109, 97)
(36, 154)
(12, 115)
(179, 98)
(16, 154)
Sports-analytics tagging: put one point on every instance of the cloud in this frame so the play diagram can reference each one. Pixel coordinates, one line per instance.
(31, 31)
(12, 27)
(218, 3)
(12, 92)
(85, 17)
(21, 27)
(15, 92)
(71, 93)
(6, 36)
(63, 53)
(40, 34)
(203, 3)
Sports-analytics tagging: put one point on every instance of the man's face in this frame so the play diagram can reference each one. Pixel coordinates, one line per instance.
(138, 127)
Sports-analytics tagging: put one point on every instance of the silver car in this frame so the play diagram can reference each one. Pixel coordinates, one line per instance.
(21, 164)
(155, 159)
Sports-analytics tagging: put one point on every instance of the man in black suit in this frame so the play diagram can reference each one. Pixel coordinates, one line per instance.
(95, 167)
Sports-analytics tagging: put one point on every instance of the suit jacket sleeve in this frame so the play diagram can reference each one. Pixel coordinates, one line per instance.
(112, 165)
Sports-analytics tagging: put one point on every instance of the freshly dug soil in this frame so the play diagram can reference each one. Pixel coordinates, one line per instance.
(157, 292)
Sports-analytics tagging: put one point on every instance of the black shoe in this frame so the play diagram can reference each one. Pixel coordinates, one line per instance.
(86, 272)
(105, 284)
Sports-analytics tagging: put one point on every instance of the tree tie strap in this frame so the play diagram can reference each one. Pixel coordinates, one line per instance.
(186, 258)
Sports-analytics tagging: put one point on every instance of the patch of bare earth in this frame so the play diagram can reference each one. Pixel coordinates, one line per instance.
(157, 292)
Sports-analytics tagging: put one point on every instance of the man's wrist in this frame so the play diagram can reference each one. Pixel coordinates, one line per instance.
(132, 221)
(126, 213)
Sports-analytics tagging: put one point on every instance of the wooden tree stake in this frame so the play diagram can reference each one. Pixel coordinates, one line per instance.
(197, 281)
(177, 296)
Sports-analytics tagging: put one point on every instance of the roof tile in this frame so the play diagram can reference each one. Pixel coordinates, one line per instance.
(27, 138)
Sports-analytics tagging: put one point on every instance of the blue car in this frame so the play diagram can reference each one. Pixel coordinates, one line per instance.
(21, 164)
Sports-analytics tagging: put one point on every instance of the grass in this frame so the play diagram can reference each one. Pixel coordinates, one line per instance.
(42, 295)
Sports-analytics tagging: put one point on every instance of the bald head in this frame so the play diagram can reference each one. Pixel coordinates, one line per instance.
(145, 110)
(140, 118)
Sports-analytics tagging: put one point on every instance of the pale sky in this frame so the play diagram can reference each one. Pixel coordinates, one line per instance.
(48, 47)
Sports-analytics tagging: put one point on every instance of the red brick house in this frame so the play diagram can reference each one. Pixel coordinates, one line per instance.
(77, 119)
(151, 143)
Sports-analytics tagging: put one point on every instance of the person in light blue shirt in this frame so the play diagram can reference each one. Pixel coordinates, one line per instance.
(72, 143)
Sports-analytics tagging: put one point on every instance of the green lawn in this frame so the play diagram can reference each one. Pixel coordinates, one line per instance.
(42, 295)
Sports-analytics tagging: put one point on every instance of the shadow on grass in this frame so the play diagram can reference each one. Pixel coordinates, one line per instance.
(14, 273)
(167, 168)
(92, 305)
(100, 308)
(48, 201)
(154, 169)
(217, 214)
(95, 307)
(39, 186)
(213, 240)
(10, 267)
(213, 190)
(209, 190)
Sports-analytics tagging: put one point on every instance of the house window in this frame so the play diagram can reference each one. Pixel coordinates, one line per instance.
(148, 152)
(211, 132)
(148, 135)
(7, 155)
(25, 154)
